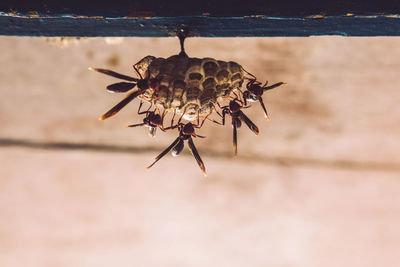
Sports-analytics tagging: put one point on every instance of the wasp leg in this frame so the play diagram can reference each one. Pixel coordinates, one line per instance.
(121, 104)
(172, 120)
(253, 77)
(236, 96)
(250, 83)
(140, 107)
(245, 96)
(198, 125)
(180, 119)
(114, 74)
(162, 154)
(219, 114)
(162, 121)
(222, 116)
(158, 110)
(237, 88)
(214, 121)
(196, 156)
(198, 119)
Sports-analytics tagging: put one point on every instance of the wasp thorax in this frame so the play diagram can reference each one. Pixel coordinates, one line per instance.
(234, 106)
(157, 120)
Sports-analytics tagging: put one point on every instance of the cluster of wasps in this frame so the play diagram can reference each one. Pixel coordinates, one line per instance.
(191, 89)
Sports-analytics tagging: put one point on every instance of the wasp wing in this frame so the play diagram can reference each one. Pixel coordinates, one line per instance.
(120, 105)
(115, 74)
(178, 148)
(196, 155)
(162, 154)
(234, 125)
(249, 123)
(121, 87)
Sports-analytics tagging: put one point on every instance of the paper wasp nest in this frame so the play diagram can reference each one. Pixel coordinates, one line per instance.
(194, 88)
(190, 85)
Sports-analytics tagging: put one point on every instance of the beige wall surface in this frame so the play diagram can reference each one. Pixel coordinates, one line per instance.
(318, 187)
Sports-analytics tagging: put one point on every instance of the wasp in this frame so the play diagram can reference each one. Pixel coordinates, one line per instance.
(237, 116)
(121, 87)
(186, 132)
(254, 92)
(193, 88)
(152, 120)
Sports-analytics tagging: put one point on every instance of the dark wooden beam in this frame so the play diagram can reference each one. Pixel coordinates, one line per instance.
(157, 18)
(200, 26)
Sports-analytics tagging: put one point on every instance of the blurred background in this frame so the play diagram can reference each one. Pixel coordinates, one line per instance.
(318, 187)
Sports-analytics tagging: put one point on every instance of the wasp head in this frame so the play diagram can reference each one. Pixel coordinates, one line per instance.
(255, 90)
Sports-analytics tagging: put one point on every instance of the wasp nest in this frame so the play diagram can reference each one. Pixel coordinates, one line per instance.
(192, 89)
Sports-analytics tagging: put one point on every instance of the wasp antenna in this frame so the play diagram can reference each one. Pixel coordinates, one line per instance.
(273, 86)
(135, 125)
(114, 74)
